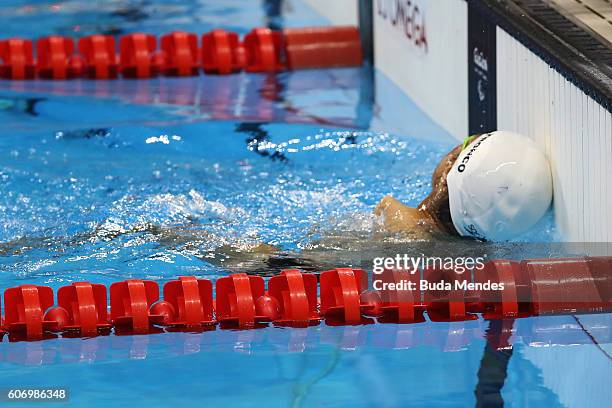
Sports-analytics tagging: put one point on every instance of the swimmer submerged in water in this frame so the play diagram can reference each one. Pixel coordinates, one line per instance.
(493, 187)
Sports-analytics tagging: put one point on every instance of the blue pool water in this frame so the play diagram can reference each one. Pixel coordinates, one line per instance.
(103, 181)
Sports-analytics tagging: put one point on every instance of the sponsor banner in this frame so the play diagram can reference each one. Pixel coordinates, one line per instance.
(338, 12)
(420, 45)
(395, 112)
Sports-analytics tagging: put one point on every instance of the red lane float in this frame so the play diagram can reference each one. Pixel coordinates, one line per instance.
(601, 269)
(562, 286)
(340, 296)
(81, 308)
(222, 53)
(100, 61)
(236, 296)
(180, 50)
(263, 50)
(16, 59)
(296, 295)
(322, 47)
(400, 306)
(137, 56)
(53, 55)
(504, 304)
(130, 301)
(446, 304)
(24, 311)
(188, 302)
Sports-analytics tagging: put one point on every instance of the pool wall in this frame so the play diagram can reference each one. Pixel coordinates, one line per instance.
(339, 12)
(474, 66)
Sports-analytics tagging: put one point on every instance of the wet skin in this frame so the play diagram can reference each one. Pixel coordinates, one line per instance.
(431, 217)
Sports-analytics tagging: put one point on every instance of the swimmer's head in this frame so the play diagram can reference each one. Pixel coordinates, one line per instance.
(498, 187)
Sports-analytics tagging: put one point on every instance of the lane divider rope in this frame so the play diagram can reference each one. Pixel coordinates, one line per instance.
(179, 53)
(531, 288)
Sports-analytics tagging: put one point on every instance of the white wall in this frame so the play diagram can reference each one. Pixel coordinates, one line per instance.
(398, 114)
(573, 129)
(435, 76)
(338, 12)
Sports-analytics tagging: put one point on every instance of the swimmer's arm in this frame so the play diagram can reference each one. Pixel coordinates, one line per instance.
(398, 217)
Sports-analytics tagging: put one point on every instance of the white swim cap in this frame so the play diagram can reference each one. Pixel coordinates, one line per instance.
(499, 187)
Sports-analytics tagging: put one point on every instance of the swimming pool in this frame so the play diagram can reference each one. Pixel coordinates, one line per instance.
(103, 181)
